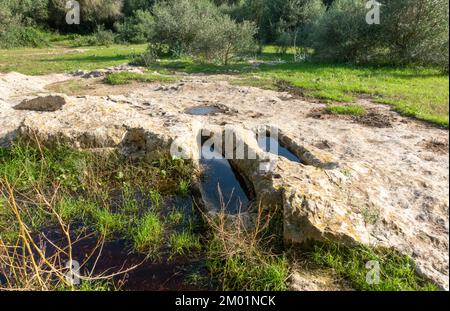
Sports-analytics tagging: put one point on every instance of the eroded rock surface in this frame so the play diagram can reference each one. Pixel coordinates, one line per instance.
(358, 183)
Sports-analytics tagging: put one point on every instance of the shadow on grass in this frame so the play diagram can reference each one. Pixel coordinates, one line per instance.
(90, 59)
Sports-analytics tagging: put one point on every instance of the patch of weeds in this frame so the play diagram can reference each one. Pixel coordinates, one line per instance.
(352, 110)
(397, 272)
(95, 286)
(245, 259)
(26, 166)
(184, 187)
(196, 279)
(329, 96)
(250, 270)
(9, 229)
(148, 234)
(19, 165)
(71, 209)
(130, 204)
(108, 224)
(175, 217)
(184, 243)
(126, 77)
(90, 286)
(155, 198)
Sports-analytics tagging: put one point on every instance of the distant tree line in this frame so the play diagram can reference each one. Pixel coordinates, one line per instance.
(411, 31)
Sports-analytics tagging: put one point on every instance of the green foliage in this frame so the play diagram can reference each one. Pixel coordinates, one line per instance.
(138, 28)
(354, 110)
(71, 209)
(397, 271)
(199, 28)
(103, 37)
(184, 243)
(147, 236)
(185, 186)
(410, 32)
(107, 223)
(246, 269)
(14, 33)
(175, 217)
(131, 6)
(151, 55)
(126, 77)
(25, 167)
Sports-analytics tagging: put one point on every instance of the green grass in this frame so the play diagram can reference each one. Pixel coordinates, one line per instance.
(71, 209)
(147, 236)
(125, 77)
(85, 183)
(99, 195)
(397, 272)
(64, 58)
(184, 243)
(175, 217)
(184, 187)
(108, 224)
(352, 110)
(246, 269)
(415, 92)
(250, 259)
(155, 198)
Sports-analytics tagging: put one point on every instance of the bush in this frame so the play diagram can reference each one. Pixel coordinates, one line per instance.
(151, 55)
(199, 28)
(103, 37)
(15, 31)
(416, 31)
(138, 28)
(411, 32)
(224, 39)
(342, 33)
(131, 6)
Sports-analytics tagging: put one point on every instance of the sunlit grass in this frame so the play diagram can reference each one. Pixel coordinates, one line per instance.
(58, 59)
(128, 77)
(396, 272)
(353, 110)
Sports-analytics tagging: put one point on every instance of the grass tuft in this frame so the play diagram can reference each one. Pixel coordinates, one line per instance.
(126, 77)
(148, 234)
(352, 110)
(184, 243)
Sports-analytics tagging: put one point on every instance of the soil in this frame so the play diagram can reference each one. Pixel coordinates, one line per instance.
(436, 146)
(372, 118)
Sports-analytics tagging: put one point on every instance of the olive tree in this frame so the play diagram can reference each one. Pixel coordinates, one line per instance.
(199, 28)
(410, 32)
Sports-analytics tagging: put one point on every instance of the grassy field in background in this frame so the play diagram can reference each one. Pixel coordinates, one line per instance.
(422, 93)
(63, 58)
